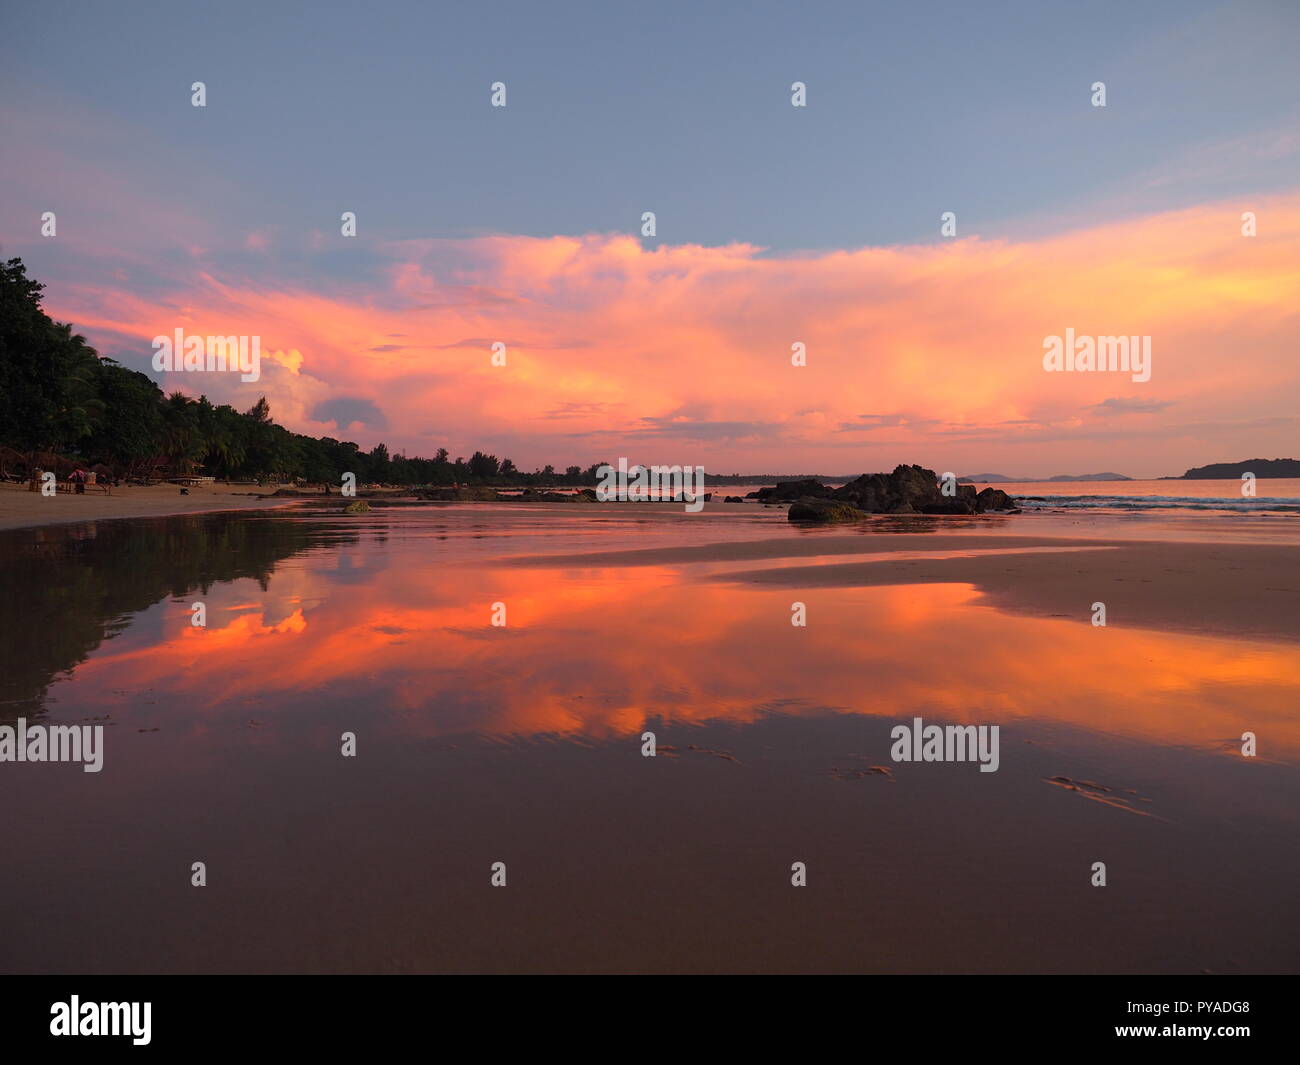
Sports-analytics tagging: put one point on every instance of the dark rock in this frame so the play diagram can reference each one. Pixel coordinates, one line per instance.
(823, 510)
(907, 490)
(916, 484)
(964, 502)
(789, 491)
(534, 495)
(458, 495)
(870, 492)
(949, 506)
(993, 499)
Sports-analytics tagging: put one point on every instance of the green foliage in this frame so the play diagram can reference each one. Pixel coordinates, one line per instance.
(132, 421)
(47, 373)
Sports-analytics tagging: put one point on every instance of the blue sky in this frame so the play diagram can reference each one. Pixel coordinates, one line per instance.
(682, 109)
(228, 217)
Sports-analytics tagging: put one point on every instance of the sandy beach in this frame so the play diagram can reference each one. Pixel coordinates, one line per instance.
(20, 508)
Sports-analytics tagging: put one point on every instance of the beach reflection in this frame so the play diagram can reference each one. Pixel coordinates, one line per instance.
(71, 588)
(404, 635)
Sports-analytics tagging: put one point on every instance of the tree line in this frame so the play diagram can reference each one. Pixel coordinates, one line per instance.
(59, 396)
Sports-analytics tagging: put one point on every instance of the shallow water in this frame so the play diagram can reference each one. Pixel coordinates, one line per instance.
(479, 743)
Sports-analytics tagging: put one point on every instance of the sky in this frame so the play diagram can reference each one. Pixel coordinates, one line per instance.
(775, 225)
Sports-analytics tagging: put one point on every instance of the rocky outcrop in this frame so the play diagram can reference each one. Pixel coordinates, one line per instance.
(993, 499)
(467, 494)
(824, 511)
(908, 490)
(534, 495)
(789, 491)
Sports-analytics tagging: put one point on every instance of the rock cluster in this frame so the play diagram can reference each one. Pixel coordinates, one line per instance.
(459, 494)
(535, 495)
(908, 490)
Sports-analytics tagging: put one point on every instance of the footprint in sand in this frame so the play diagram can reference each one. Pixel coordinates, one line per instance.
(862, 772)
(666, 750)
(1120, 798)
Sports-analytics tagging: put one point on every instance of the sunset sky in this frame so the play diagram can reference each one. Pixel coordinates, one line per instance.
(775, 224)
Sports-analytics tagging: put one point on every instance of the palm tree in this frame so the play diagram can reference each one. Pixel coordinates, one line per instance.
(182, 441)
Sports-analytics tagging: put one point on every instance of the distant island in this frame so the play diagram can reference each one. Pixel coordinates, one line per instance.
(776, 478)
(1232, 471)
(994, 478)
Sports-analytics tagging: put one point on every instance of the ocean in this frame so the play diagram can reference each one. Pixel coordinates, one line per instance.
(1277, 496)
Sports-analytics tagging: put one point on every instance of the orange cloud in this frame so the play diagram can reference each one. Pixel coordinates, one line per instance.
(682, 353)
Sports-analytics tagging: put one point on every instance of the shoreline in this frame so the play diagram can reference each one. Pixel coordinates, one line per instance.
(21, 509)
(1192, 576)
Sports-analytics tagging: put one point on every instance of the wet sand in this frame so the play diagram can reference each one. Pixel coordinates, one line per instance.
(522, 744)
(1243, 588)
(676, 864)
(1250, 592)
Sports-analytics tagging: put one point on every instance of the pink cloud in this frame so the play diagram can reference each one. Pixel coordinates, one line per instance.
(682, 353)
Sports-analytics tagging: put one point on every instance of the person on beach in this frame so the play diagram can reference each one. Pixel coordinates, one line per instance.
(78, 480)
